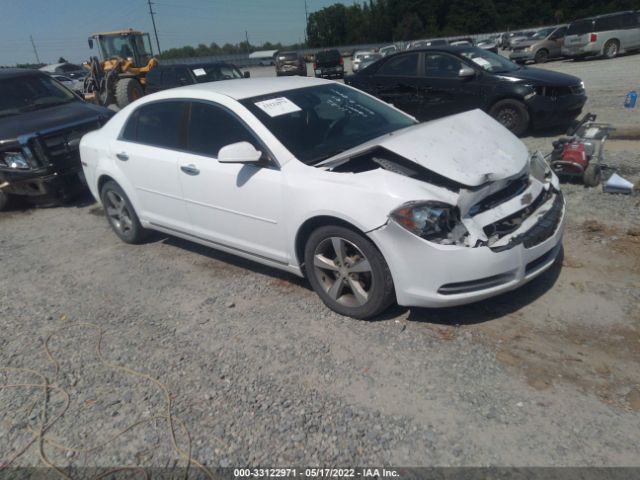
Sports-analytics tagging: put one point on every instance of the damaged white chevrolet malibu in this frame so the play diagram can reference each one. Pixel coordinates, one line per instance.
(322, 180)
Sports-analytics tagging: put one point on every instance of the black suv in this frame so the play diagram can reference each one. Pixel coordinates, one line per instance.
(163, 77)
(329, 64)
(41, 124)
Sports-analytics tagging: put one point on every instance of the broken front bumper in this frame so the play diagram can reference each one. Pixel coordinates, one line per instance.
(427, 274)
(54, 184)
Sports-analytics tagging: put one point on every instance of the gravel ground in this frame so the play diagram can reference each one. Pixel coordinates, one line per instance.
(259, 372)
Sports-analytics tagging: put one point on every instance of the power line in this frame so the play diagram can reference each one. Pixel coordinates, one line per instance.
(35, 50)
(155, 31)
(306, 21)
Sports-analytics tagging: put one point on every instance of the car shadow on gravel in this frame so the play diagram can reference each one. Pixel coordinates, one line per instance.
(20, 204)
(492, 308)
(230, 259)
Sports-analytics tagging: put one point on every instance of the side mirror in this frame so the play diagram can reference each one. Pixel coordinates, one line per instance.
(246, 74)
(466, 72)
(90, 40)
(240, 152)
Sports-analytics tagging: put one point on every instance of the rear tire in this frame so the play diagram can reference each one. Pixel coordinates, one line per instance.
(348, 272)
(512, 114)
(611, 49)
(121, 215)
(592, 175)
(541, 56)
(128, 90)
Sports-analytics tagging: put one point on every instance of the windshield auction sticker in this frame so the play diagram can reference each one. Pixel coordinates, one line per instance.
(277, 106)
(199, 72)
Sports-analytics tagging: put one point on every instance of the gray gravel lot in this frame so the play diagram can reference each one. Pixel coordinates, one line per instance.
(259, 372)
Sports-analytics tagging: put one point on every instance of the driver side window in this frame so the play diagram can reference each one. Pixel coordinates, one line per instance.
(211, 128)
(441, 65)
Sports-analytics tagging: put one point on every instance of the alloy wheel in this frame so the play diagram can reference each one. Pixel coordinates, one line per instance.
(343, 271)
(508, 117)
(118, 213)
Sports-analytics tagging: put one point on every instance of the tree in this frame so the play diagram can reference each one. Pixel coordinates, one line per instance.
(62, 60)
(410, 27)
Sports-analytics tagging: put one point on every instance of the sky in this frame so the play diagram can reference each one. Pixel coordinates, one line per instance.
(60, 28)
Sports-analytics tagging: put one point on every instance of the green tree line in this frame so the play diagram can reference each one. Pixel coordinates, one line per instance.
(398, 20)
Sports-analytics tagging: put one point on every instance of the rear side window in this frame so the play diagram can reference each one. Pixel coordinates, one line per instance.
(157, 124)
(402, 65)
(580, 27)
(613, 22)
(630, 20)
(211, 128)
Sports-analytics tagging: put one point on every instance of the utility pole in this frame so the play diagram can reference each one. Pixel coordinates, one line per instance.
(246, 36)
(306, 21)
(152, 13)
(35, 50)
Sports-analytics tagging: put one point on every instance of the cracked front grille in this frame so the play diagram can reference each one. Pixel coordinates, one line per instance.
(544, 228)
(61, 148)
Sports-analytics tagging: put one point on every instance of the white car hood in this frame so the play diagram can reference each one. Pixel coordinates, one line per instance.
(470, 148)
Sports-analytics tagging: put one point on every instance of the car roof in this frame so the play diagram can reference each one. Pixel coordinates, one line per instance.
(605, 15)
(194, 65)
(444, 48)
(240, 89)
(18, 72)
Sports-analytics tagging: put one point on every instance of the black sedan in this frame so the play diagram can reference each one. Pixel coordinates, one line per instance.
(434, 82)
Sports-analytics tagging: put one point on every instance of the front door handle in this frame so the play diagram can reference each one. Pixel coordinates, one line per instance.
(190, 169)
(122, 156)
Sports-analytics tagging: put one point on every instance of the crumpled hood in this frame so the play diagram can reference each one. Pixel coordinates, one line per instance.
(542, 77)
(51, 118)
(470, 148)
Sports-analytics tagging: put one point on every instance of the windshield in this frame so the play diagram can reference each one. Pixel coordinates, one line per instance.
(31, 92)
(489, 61)
(214, 73)
(316, 123)
(542, 34)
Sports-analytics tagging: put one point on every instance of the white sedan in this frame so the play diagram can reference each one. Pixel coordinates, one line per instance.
(324, 181)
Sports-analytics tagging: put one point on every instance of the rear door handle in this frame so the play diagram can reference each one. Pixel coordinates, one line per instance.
(122, 156)
(190, 169)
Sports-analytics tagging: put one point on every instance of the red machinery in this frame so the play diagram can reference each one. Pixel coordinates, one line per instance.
(581, 154)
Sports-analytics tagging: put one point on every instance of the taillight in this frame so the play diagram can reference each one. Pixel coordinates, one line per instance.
(341, 61)
(315, 66)
(594, 37)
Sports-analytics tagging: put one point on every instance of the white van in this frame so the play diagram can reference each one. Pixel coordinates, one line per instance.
(605, 35)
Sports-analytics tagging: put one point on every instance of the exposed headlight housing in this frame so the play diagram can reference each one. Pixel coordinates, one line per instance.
(14, 161)
(434, 221)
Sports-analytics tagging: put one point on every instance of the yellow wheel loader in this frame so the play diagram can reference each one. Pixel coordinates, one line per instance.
(125, 58)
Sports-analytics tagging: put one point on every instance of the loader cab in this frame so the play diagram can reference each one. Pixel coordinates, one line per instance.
(127, 45)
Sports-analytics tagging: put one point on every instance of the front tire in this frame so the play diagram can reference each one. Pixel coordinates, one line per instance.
(121, 215)
(512, 114)
(128, 90)
(348, 272)
(541, 56)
